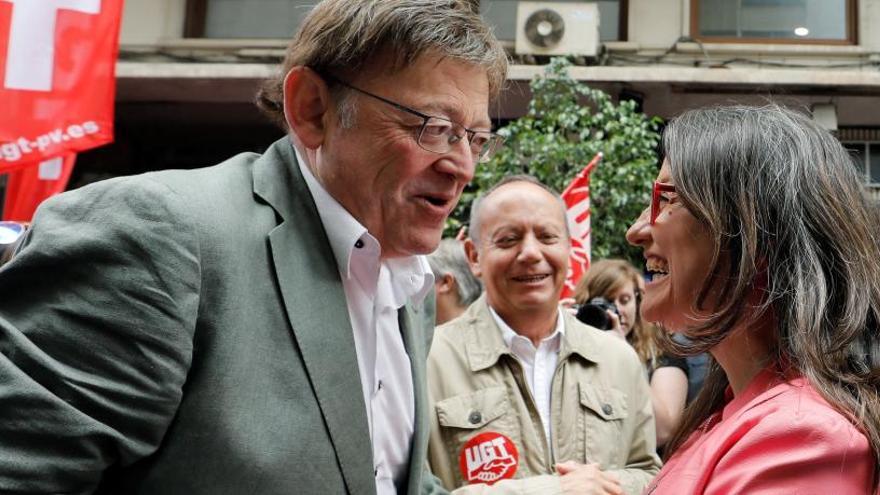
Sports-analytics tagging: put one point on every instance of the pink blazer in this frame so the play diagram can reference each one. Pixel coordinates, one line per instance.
(776, 437)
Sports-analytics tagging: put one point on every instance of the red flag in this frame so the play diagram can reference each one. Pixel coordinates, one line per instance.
(27, 187)
(577, 202)
(57, 77)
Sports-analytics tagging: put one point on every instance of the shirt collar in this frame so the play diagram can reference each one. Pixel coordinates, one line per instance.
(343, 230)
(410, 276)
(484, 342)
(509, 335)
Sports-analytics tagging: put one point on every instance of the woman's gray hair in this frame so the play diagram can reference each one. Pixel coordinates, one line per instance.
(450, 258)
(344, 37)
(477, 205)
(789, 217)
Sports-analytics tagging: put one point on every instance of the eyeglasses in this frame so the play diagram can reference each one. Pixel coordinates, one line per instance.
(658, 202)
(439, 135)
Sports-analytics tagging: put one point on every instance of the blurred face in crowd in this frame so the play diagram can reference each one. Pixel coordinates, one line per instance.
(522, 255)
(375, 167)
(625, 300)
(678, 253)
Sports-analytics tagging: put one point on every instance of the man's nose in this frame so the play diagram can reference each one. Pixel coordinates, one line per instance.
(459, 162)
(530, 249)
(638, 233)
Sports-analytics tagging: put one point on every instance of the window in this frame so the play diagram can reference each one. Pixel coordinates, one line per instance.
(774, 21)
(245, 18)
(280, 18)
(866, 159)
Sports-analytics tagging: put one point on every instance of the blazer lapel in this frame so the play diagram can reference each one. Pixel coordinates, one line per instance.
(315, 302)
(417, 332)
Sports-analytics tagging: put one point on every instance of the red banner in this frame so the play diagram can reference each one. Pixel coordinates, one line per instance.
(28, 187)
(57, 77)
(577, 202)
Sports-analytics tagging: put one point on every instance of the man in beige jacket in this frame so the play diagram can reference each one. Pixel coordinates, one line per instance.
(527, 399)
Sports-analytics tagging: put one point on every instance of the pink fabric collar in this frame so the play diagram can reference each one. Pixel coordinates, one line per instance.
(764, 385)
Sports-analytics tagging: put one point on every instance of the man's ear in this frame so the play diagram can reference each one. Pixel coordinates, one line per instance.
(446, 283)
(470, 251)
(306, 102)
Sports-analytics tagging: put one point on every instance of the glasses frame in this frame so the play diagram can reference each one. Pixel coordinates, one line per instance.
(488, 150)
(658, 189)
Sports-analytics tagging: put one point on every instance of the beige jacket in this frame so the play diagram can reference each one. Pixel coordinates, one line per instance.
(601, 408)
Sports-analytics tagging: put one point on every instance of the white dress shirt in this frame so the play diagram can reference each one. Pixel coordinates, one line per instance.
(374, 292)
(539, 364)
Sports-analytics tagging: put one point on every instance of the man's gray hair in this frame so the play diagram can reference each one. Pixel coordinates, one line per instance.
(344, 37)
(477, 205)
(450, 258)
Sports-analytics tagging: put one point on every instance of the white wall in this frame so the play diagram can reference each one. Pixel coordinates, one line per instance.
(652, 23)
(657, 23)
(869, 16)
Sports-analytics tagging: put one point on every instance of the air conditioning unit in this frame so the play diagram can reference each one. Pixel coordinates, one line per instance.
(557, 28)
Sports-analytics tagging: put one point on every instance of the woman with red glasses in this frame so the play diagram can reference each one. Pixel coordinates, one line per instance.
(764, 251)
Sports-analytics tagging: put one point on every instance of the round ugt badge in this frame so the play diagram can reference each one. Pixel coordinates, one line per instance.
(487, 458)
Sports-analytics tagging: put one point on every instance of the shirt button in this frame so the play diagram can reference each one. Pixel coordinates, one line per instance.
(607, 409)
(358, 243)
(475, 417)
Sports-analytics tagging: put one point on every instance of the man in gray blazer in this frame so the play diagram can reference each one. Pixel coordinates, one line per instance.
(259, 326)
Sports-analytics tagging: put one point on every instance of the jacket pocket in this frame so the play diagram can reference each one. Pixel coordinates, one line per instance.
(473, 410)
(603, 413)
(480, 435)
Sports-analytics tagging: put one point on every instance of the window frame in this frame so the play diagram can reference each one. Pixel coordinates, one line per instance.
(196, 18)
(851, 31)
(623, 21)
(866, 159)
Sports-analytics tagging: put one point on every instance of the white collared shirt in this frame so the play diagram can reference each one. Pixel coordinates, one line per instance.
(374, 292)
(539, 364)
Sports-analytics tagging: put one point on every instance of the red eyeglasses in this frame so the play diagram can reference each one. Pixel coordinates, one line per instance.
(657, 198)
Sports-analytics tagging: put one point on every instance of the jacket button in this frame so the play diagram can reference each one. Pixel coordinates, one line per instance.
(607, 409)
(475, 417)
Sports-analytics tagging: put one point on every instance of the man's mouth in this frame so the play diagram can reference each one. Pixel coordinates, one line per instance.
(437, 200)
(528, 279)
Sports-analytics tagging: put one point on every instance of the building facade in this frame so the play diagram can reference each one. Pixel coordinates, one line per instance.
(188, 69)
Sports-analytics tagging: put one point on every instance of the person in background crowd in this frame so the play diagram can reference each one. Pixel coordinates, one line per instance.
(525, 397)
(257, 327)
(763, 252)
(454, 284)
(697, 367)
(620, 283)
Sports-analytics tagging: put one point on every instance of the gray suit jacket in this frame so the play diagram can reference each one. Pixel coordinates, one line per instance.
(186, 332)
